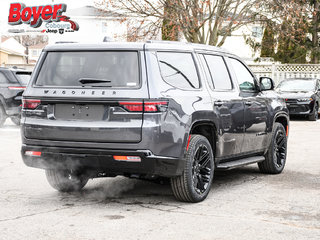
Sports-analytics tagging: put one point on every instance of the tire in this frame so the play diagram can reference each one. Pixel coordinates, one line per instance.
(65, 180)
(16, 120)
(3, 116)
(277, 152)
(315, 114)
(195, 182)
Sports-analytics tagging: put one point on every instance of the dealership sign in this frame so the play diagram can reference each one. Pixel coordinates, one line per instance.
(35, 16)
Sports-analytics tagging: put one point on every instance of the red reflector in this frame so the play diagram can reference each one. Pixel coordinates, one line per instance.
(30, 103)
(32, 153)
(16, 88)
(127, 158)
(287, 130)
(188, 142)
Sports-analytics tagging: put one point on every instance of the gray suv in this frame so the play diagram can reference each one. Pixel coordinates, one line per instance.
(149, 110)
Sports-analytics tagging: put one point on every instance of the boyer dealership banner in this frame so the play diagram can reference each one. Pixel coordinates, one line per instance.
(35, 16)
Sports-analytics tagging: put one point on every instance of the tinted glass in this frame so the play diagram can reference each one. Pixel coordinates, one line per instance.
(297, 85)
(244, 77)
(24, 77)
(219, 72)
(178, 69)
(109, 69)
(3, 79)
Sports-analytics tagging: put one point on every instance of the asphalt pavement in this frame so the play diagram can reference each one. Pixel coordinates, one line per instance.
(242, 204)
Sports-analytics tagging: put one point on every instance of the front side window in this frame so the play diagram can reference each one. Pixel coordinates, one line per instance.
(178, 69)
(219, 72)
(244, 77)
(95, 69)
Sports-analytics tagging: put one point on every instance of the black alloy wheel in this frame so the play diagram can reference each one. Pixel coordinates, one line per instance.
(201, 169)
(277, 151)
(280, 149)
(195, 182)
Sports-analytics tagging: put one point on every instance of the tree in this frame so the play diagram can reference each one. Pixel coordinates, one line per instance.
(297, 29)
(291, 48)
(30, 40)
(199, 21)
(268, 41)
(314, 29)
(169, 31)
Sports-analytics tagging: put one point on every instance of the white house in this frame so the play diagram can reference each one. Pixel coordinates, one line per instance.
(35, 52)
(11, 52)
(95, 24)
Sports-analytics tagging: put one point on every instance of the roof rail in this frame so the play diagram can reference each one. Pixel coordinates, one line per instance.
(62, 42)
(166, 41)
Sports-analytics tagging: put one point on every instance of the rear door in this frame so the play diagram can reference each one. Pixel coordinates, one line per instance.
(87, 96)
(256, 111)
(228, 105)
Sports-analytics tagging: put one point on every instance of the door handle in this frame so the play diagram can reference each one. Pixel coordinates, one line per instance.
(248, 103)
(218, 103)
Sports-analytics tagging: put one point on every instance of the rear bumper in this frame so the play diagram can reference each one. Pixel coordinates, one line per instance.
(101, 160)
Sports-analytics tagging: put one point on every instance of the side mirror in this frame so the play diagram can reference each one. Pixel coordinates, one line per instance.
(266, 84)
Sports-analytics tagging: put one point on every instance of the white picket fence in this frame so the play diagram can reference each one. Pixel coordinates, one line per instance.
(279, 72)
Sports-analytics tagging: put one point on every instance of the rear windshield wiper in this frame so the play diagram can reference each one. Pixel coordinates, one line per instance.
(93, 80)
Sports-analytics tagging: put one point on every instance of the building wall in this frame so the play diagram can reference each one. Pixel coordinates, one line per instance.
(3, 58)
(16, 60)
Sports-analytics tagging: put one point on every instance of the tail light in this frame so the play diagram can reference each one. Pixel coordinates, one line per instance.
(147, 106)
(16, 88)
(151, 106)
(30, 103)
(132, 106)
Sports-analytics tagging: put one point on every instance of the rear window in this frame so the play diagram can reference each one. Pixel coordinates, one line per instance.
(95, 69)
(23, 77)
(178, 69)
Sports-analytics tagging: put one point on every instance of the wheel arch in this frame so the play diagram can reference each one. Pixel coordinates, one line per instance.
(207, 129)
(284, 120)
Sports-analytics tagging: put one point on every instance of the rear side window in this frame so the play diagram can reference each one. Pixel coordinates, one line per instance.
(178, 69)
(3, 79)
(97, 69)
(23, 77)
(219, 72)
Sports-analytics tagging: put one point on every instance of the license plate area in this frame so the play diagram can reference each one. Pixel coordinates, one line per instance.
(81, 112)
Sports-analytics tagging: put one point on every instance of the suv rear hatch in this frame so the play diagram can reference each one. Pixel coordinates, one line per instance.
(87, 96)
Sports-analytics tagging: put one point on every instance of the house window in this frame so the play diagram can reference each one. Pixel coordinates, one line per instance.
(257, 32)
(34, 52)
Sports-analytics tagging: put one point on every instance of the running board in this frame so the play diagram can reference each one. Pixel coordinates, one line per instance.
(240, 162)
